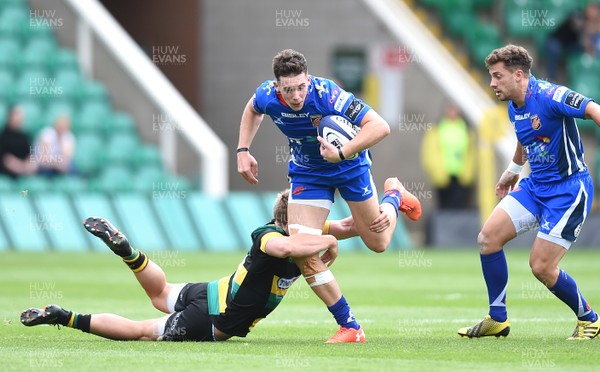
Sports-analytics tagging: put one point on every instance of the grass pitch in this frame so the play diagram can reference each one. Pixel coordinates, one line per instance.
(410, 304)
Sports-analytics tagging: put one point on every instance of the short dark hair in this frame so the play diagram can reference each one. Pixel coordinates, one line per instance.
(280, 208)
(289, 62)
(513, 56)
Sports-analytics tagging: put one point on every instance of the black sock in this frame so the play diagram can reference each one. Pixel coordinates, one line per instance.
(137, 261)
(78, 321)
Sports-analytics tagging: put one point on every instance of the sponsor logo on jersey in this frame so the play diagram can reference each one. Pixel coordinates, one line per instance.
(316, 119)
(559, 93)
(536, 123)
(334, 95)
(268, 87)
(366, 191)
(574, 100)
(341, 101)
(284, 283)
(522, 117)
(354, 108)
(321, 88)
(298, 190)
(294, 115)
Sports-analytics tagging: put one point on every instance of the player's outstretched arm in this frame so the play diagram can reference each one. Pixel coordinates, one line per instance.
(302, 245)
(592, 111)
(246, 164)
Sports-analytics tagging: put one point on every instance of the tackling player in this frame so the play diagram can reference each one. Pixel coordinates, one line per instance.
(296, 102)
(556, 197)
(214, 311)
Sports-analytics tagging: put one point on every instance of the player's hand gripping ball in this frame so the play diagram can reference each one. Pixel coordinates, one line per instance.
(338, 131)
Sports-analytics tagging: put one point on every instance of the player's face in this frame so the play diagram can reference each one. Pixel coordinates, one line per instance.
(503, 81)
(293, 89)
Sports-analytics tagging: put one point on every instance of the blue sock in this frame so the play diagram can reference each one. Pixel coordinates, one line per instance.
(394, 198)
(567, 291)
(343, 315)
(495, 273)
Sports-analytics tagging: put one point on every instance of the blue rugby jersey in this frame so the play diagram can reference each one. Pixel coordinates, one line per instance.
(546, 127)
(324, 98)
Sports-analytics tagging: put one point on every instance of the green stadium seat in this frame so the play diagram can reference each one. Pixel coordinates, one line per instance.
(92, 117)
(69, 81)
(24, 227)
(268, 199)
(582, 63)
(3, 114)
(120, 122)
(459, 23)
(146, 155)
(587, 83)
(177, 223)
(94, 91)
(37, 54)
(247, 211)
(119, 149)
(7, 185)
(213, 224)
(38, 29)
(32, 185)
(64, 59)
(87, 153)
(482, 38)
(6, 83)
(33, 84)
(32, 118)
(64, 229)
(13, 20)
(69, 184)
(113, 179)
(139, 222)
(10, 52)
(152, 179)
(56, 108)
(95, 205)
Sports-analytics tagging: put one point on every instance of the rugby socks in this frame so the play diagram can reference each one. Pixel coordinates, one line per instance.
(495, 273)
(78, 321)
(343, 315)
(137, 261)
(394, 198)
(567, 291)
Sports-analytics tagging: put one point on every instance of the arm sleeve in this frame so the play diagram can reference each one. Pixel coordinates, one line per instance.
(346, 104)
(567, 102)
(262, 95)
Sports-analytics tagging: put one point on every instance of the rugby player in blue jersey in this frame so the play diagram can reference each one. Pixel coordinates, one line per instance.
(210, 311)
(556, 197)
(296, 101)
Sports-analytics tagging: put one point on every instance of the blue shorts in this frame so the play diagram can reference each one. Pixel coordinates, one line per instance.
(318, 189)
(559, 209)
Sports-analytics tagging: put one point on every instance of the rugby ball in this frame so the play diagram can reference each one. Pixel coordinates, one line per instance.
(338, 131)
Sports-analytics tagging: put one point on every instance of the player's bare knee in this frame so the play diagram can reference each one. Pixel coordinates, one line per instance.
(541, 271)
(378, 247)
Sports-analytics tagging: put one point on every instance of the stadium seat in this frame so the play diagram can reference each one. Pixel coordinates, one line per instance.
(151, 179)
(119, 148)
(37, 54)
(87, 154)
(32, 118)
(91, 118)
(56, 108)
(10, 52)
(69, 81)
(64, 59)
(95, 91)
(13, 20)
(69, 184)
(24, 227)
(33, 84)
(120, 122)
(582, 63)
(6, 83)
(7, 184)
(31, 185)
(247, 211)
(63, 227)
(116, 178)
(139, 222)
(482, 38)
(177, 223)
(146, 155)
(95, 205)
(213, 224)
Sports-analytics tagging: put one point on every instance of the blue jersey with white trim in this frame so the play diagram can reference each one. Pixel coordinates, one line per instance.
(324, 97)
(547, 129)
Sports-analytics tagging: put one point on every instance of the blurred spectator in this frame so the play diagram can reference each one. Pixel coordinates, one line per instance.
(55, 148)
(448, 157)
(580, 32)
(15, 147)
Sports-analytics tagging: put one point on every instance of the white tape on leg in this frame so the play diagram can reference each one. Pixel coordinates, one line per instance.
(301, 229)
(321, 278)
